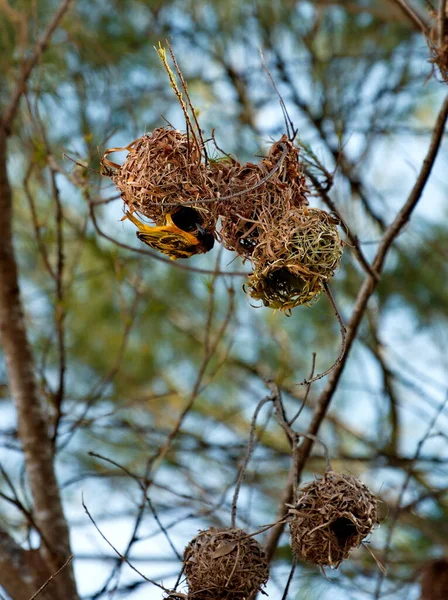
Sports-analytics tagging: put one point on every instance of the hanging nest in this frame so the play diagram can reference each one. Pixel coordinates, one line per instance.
(163, 170)
(257, 195)
(294, 258)
(224, 564)
(332, 515)
(282, 289)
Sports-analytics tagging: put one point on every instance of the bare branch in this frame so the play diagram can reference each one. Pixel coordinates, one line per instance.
(32, 423)
(442, 21)
(366, 291)
(343, 331)
(50, 579)
(28, 66)
(123, 558)
(420, 20)
(16, 576)
(398, 505)
(249, 451)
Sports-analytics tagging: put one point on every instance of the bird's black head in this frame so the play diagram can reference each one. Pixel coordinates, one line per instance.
(189, 219)
(186, 218)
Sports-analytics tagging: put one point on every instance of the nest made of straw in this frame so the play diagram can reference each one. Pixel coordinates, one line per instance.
(224, 564)
(294, 258)
(257, 195)
(162, 170)
(332, 515)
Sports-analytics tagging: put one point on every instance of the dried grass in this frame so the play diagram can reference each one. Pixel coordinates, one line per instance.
(259, 195)
(163, 169)
(294, 258)
(331, 517)
(262, 207)
(224, 564)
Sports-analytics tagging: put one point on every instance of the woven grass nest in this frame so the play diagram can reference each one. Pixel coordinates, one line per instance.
(331, 517)
(163, 169)
(224, 564)
(259, 195)
(294, 258)
(263, 209)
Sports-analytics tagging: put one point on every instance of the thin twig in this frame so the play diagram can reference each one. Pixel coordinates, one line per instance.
(354, 242)
(265, 528)
(249, 451)
(379, 564)
(365, 292)
(310, 436)
(416, 17)
(190, 104)
(28, 66)
(144, 489)
(35, 219)
(123, 558)
(396, 511)
(158, 457)
(290, 576)
(343, 331)
(59, 306)
(303, 404)
(443, 17)
(290, 129)
(50, 579)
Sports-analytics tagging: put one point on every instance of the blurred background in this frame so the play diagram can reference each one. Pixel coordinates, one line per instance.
(123, 343)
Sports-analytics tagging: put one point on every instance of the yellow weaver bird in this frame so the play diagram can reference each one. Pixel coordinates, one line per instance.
(181, 236)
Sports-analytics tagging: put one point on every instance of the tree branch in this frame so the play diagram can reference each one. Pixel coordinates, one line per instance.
(419, 20)
(28, 66)
(18, 575)
(366, 291)
(32, 425)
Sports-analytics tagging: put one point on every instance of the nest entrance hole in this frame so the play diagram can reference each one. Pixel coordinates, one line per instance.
(286, 282)
(344, 530)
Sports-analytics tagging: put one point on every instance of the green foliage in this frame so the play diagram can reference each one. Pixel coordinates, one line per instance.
(138, 332)
(421, 264)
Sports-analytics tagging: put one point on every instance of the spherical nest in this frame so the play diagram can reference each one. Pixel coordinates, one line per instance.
(294, 258)
(257, 195)
(281, 288)
(224, 564)
(162, 170)
(332, 516)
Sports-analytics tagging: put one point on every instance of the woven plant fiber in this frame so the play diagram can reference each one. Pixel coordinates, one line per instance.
(257, 195)
(224, 564)
(162, 170)
(331, 517)
(294, 258)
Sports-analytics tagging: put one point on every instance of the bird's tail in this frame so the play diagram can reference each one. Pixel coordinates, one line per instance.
(137, 222)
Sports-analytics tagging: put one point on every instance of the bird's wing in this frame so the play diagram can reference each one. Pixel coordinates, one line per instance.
(174, 244)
